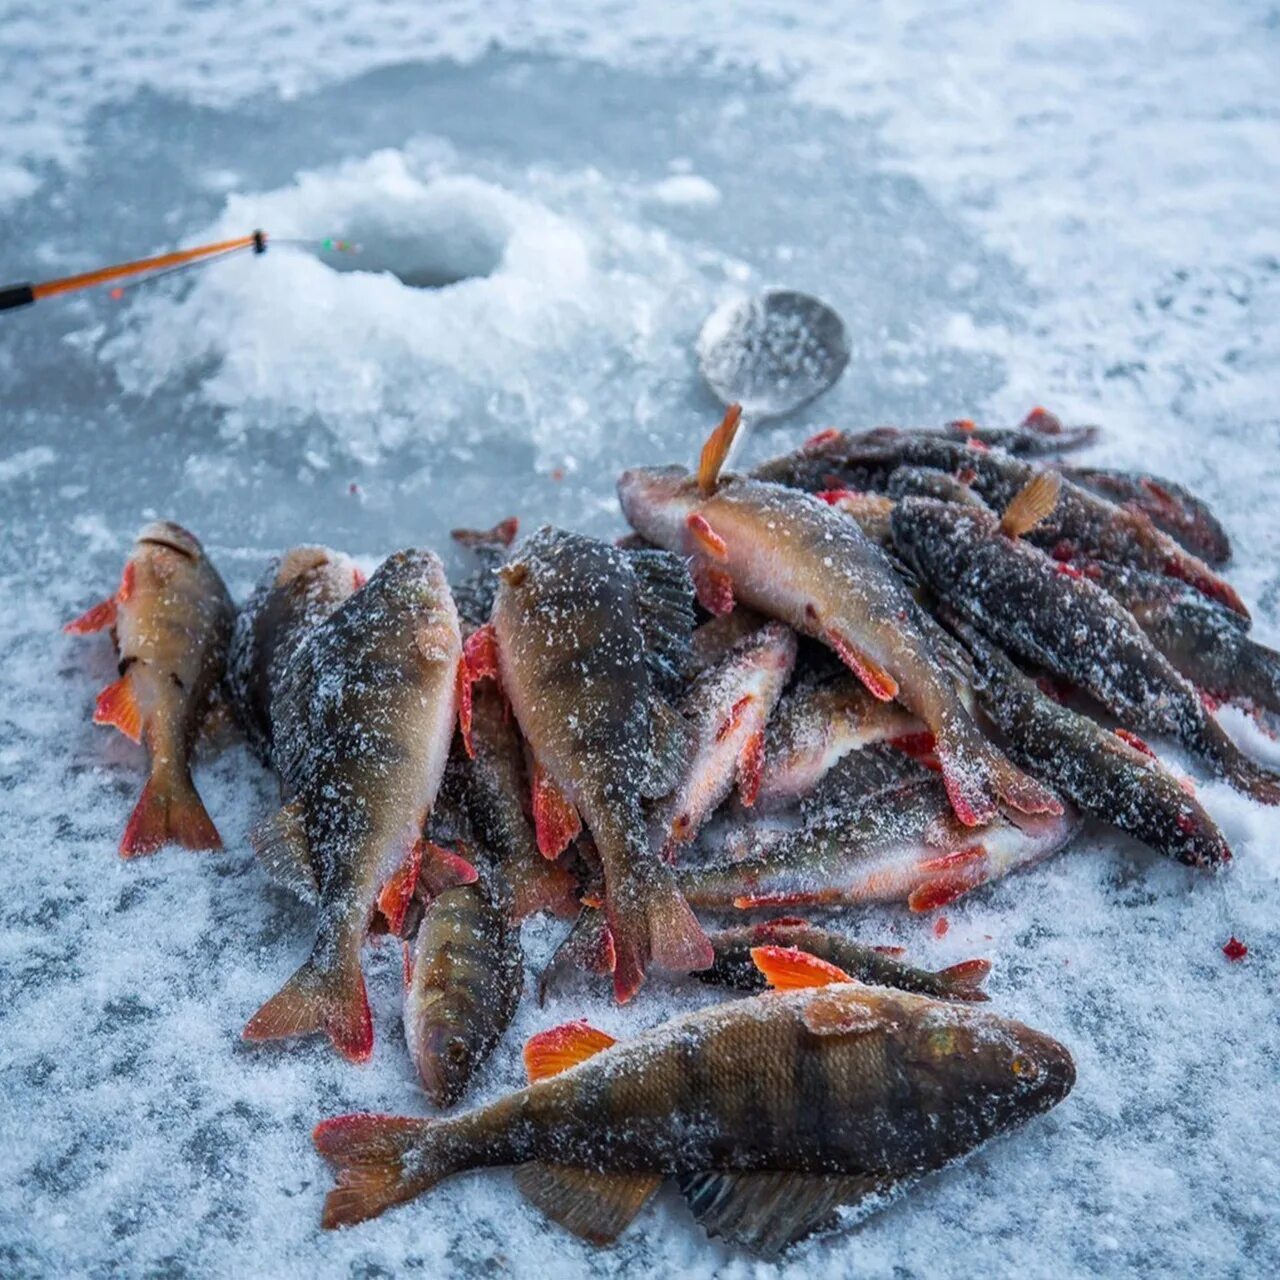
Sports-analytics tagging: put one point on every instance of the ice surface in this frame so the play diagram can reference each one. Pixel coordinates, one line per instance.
(1009, 203)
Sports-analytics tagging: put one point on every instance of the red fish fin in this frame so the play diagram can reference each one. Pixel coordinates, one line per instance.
(716, 450)
(714, 588)
(555, 820)
(879, 683)
(407, 962)
(97, 618)
(957, 859)
(751, 768)
(168, 812)
(706, 539)
(538, 885)
(559, 1048)
(503, 534)
(370, 1153)
(397, 893)
(947, 886)
(964, 980)
(440, 869)
(596, 1207)
(315, 999)
(479, 662)
(786, 968)
(117, 706)
(1032, 503)
(655, 925)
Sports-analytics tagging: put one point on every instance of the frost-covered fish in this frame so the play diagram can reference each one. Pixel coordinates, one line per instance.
(584, 634)
(818, 722)
(876, 966)
(1171, 507)
(171, 620)
(363, 720)
(728, 708)
(463, 977)
(1208, 643)
(770, 1112)
(831, 458)
(1110, 775)
(1052, 615)
(796, 558)
(908, 847)
(713, 639)
(298, 590)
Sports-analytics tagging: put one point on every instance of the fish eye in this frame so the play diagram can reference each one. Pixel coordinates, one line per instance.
(1024, 1068)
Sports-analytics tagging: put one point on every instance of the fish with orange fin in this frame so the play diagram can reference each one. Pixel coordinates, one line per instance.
(979, 566)
(796, 558)
(171, 620)
(584, 639)
(896, 843)
(363, 719)
(1112, 776)
(298, 590)
(819, 721)
(729, 707)
(876, 966)
(771, 1113)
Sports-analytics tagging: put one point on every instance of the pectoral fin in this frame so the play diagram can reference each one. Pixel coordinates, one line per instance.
(766, 1212)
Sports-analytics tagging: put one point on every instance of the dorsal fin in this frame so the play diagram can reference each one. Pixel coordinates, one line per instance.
(786, 968)
(1031, 504)
(664, 596)
(716, 451)
(559, 1048)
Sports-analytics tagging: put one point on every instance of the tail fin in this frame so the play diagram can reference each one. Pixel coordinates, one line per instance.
(534, 885)
(976, 772)
(370, 1153)
(316, 998)
(650, 920)
(964, 981)
(168, 812)
(1244, 774)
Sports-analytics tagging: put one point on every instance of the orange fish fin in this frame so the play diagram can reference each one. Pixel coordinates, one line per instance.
(786, 968)
(117, 706)
(559, 1048)
(168, 812)
(597, 1207)
(503, 534)
(440, 869)
(841, 1013)
(653, 923)
(538, 885)
(479, 662)
(879, 683)
(716, 450)
(397, 893)
(555, 820)
(280, 844)
(966, 978)
(705, 539)
(946, 887)
(315, 999)
(371, 1154)
(958, 858)
(1032, 503)
(751, 768)
(97, 618)
(714, 588)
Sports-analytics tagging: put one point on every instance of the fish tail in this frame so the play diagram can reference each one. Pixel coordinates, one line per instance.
(381, 1161)
(1246, 775)
(964, 981)
(977, 773)
(650, 920)
(320, 997)
(168, 812)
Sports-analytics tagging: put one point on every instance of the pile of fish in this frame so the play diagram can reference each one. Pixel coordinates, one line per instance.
(888, 667)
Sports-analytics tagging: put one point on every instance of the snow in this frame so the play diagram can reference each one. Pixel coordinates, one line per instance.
(1008, 203)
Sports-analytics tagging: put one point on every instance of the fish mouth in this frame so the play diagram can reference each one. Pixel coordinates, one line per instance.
(165, 533)
(444, 1063)
(1051, 1070)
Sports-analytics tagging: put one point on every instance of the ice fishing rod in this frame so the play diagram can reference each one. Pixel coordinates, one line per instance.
(22, 295)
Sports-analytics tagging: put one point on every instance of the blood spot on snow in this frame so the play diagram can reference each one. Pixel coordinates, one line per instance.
(940, 927)
(1234, 949)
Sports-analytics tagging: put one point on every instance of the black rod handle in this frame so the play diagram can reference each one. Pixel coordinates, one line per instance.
(16, 295)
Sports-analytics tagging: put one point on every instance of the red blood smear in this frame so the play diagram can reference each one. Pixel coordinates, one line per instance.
(940, 927)
(821, 438)
(1234, 949)
(1069, 570)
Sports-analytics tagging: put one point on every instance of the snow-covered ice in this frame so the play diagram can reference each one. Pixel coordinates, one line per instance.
(1009, 203)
